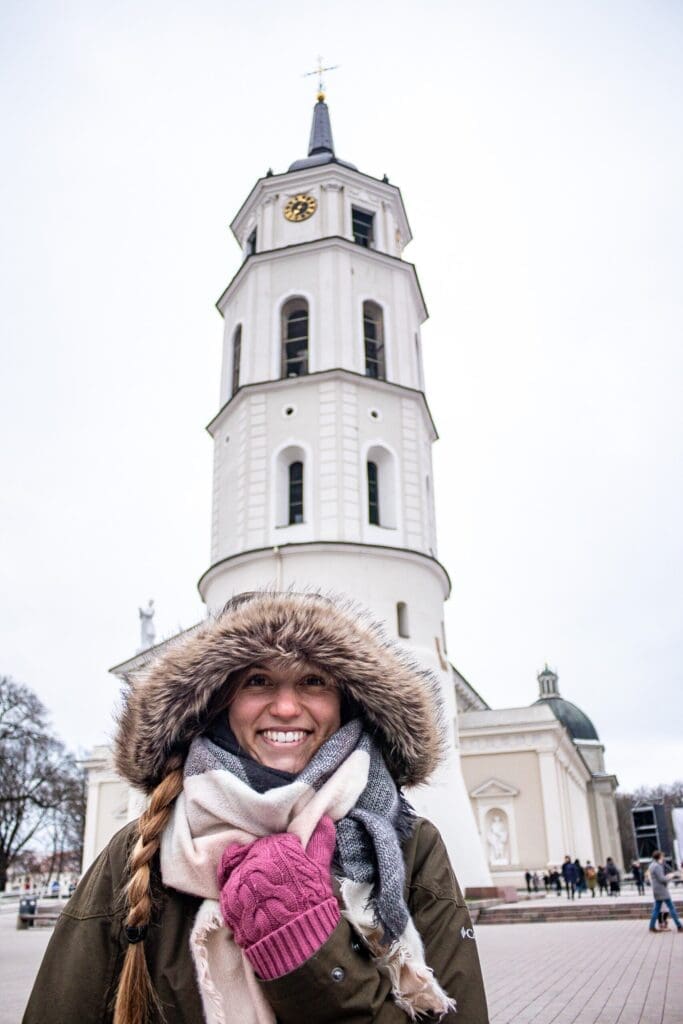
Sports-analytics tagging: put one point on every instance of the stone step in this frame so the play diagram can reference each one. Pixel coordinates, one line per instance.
(572, 912)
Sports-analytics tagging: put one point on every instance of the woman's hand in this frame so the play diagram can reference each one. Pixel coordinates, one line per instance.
(277, 897)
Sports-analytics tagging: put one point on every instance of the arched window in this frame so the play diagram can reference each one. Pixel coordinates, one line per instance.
(296, 492)
(291, 491)
(402, 619)
(294, 338)
(373, 494)
(236, 355)
(373, 337)
(381, 481)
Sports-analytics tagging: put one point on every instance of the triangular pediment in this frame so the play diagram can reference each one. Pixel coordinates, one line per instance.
(494, 787)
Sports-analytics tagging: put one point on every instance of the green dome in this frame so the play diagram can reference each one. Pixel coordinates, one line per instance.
(574, 719)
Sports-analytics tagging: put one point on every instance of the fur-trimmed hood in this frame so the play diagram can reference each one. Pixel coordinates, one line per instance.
(174, 700)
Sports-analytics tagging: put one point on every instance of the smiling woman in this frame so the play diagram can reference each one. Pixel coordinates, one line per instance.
(279, 873)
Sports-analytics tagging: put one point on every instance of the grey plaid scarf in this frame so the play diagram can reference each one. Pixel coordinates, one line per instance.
(368, 839)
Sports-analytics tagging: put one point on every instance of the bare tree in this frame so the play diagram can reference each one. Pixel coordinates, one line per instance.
(66, 821)
(628, 838)
(37, 775)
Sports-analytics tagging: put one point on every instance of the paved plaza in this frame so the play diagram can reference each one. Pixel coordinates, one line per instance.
(592, 972)
(582, 972)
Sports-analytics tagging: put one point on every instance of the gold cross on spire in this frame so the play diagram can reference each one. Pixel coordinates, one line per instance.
(319, 72)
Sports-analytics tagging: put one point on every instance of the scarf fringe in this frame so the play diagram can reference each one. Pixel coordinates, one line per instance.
(413, 986)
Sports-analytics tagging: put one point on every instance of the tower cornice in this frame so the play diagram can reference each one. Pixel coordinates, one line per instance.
(334, 373)
(351, 547)
(317, 244)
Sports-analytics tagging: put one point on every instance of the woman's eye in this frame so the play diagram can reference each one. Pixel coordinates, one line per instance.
(314, 681)
(256, 681)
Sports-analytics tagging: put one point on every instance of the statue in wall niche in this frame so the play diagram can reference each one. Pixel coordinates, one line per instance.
(497, 839)
(147, 630)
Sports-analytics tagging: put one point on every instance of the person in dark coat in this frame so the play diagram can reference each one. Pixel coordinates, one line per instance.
(278, 873)
(613, 876)
(570, 876)
(638, 877)
(602, 880)
(527, 877)
(580, 878)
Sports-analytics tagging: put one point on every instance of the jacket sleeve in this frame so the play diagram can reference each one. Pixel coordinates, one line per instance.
(342, 983)
(76, 979)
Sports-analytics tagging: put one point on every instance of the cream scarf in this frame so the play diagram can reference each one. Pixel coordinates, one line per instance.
(216, 808)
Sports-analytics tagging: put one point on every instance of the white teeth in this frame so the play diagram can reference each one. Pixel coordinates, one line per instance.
(283, 737)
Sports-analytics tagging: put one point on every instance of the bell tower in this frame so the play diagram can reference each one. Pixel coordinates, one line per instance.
(322, 442)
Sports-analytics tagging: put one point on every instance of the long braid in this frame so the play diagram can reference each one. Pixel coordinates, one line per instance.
(136, 998)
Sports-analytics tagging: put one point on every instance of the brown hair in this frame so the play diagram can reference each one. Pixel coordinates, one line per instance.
(136, 999)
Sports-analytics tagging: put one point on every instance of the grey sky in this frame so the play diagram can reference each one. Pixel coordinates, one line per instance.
(538, 149)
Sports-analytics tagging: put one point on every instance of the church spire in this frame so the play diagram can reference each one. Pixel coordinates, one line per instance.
(321, 129)
(320, 144)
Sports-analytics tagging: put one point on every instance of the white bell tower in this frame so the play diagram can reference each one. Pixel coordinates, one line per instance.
(322, 443)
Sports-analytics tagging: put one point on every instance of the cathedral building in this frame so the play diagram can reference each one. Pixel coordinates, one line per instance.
(322, 440)
(538, 784)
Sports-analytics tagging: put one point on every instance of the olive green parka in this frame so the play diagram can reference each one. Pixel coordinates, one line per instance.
(77, 981)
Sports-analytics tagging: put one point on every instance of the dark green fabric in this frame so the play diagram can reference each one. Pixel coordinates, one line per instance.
(77, 979)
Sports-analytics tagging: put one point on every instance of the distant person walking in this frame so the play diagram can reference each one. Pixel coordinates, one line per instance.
(660, 891)
(570, 878)
(637, 872)
(613, 877)
(527, 876)
(580, 878)
(591, 876)
(535, 881)
(602, 880)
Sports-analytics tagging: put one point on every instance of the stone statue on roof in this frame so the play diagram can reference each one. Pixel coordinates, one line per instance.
(147, 630)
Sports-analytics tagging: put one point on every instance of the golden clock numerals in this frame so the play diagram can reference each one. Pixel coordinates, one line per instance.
(300, 207)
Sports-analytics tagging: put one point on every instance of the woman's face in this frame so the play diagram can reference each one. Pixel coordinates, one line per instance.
(281, 714)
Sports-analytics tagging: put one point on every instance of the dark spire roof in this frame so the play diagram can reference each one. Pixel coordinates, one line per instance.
(321, 130)
(320, 145)
(574, 719)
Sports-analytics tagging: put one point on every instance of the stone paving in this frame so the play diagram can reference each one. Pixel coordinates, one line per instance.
(20, 956)
(592, 972)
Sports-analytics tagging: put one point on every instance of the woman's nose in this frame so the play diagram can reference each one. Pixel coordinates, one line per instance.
(285, 702)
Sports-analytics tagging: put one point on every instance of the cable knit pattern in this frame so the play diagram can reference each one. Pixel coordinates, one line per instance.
(278, 899)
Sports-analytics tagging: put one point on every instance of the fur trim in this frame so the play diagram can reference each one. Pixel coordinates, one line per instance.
(173, 700)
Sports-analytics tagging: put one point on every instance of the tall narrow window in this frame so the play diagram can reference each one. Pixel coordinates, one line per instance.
(402, 619)
(362, 226)
(236, 356)
(381, 470)
(373, 337)
(296, 493)
(295, 338)
(251, 243)
(373, 494)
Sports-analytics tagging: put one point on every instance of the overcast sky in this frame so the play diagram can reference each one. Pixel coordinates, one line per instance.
(539, 151)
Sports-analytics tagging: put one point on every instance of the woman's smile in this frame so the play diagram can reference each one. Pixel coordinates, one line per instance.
(279, 736)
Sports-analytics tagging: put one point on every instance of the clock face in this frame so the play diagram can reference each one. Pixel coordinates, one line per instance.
(300, 207)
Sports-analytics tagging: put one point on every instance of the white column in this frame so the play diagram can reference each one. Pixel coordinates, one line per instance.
(552, 812)
(91, 815)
